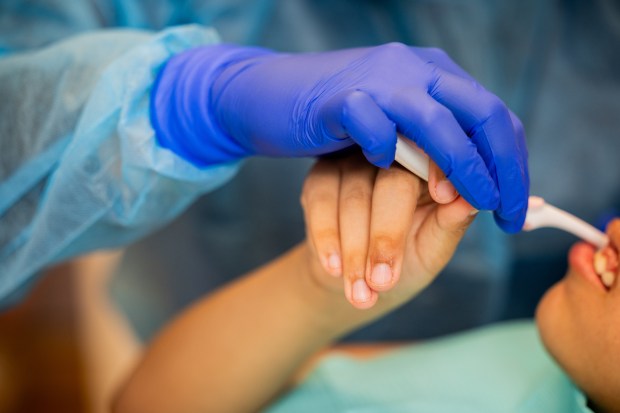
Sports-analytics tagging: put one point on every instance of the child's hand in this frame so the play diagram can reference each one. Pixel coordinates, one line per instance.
(267, 322)
(370, 225)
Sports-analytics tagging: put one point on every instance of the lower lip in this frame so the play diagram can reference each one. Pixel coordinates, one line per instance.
(581, 257)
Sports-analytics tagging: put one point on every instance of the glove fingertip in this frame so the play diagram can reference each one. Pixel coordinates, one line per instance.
(481, 200)
(510, 226)
(379, 161)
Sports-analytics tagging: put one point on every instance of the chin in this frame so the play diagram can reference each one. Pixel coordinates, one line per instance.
(559, 330)
(549, 319)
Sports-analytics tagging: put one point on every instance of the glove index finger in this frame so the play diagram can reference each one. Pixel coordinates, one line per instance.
(435, 130)
(353, 113)
(487, 121)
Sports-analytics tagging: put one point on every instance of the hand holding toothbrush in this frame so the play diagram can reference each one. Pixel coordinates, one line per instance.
(539, 215)
(223, 103)
(372, 228)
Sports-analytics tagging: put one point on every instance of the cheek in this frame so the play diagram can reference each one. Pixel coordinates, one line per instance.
(577, 332)
(612, 333)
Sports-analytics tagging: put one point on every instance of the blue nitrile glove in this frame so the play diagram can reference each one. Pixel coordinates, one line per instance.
(221, 103)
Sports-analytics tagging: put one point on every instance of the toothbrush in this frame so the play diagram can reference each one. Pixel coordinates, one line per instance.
(540, 214)
(409, 155)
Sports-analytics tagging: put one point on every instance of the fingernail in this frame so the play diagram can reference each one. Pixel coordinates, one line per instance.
(473, 212)
(445, 190)
(361, 292)
(381, 274)
(333, 262)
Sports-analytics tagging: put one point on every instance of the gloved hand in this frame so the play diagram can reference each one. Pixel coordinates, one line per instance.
(221, 103)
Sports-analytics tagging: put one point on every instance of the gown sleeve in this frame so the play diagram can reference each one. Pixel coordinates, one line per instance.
(80, 168)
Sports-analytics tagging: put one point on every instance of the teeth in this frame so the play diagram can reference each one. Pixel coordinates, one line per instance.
(605, 264)
(608, 278)
(600, 262)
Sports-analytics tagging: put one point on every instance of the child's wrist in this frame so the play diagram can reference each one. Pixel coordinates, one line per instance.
(330, 310)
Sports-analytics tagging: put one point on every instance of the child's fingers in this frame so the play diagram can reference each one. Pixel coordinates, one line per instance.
(320, 204)
(354, 212)
(394, 201)
(440, 188)
(440, 233)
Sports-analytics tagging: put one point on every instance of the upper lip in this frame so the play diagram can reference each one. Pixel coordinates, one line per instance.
(581, 258)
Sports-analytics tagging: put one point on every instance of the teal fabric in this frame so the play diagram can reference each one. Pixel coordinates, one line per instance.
(503, 368)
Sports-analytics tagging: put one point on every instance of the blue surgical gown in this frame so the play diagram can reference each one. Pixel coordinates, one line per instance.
(81, 170)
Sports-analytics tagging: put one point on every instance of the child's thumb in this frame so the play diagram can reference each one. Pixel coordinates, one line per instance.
(444, 231)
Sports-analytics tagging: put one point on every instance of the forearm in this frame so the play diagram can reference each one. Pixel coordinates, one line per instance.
(237, 349)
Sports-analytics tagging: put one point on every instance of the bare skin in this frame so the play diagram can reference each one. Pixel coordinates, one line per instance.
(253, 335)
(261, 334)
(579, 321)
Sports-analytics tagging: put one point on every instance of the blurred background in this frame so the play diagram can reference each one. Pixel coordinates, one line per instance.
(65, 348)
(66, 345)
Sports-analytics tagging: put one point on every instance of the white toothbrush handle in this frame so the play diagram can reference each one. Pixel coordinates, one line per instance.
(409, 155)
(541, 214)
(563, 220)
